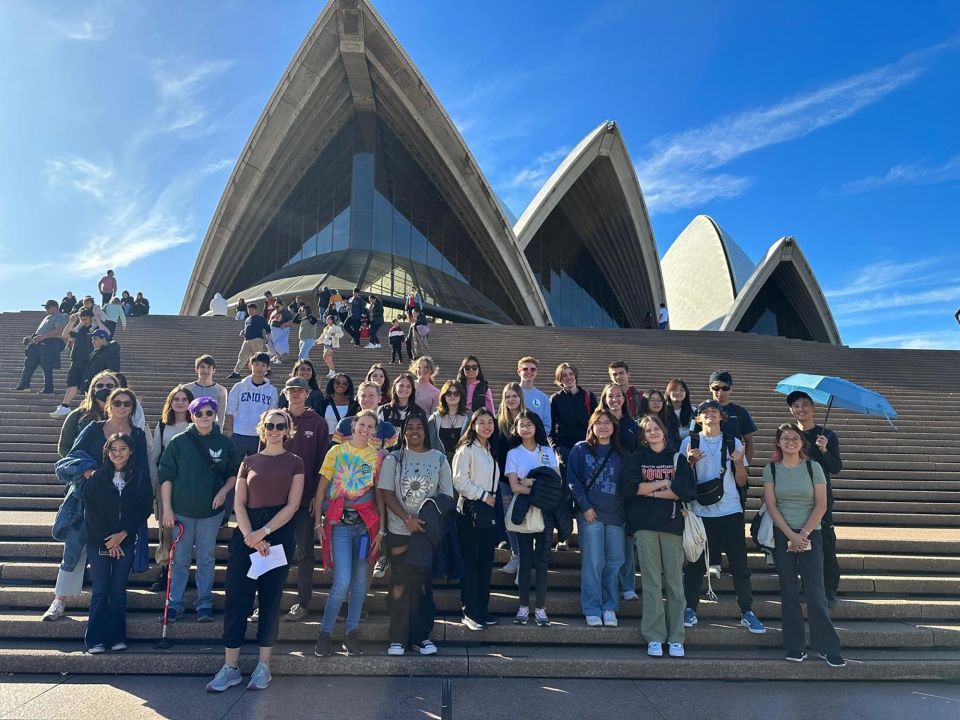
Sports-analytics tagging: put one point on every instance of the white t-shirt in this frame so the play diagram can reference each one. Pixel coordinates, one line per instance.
(118, 482)
(708, 468)
(331, 417)
(521, 461)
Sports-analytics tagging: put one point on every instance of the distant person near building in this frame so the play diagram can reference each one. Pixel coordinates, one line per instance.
(254, 333)
(375, 310)
(43, 348)
(306, 322)
(77, 335)
(69, 303)
(218, 305)
(107, 287)
(663, 317)
(396, 334)
(141, 306)
(113, 313)
(357, 309)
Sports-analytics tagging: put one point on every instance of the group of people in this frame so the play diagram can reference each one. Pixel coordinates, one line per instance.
(423, 479)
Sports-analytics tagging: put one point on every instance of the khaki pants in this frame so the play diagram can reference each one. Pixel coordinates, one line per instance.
(661, 553)
(162, 554)
(247, 351)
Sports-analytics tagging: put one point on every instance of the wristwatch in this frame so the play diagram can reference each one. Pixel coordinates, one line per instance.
(266, 530)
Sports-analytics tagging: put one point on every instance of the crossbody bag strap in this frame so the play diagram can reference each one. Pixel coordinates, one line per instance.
(596, 473)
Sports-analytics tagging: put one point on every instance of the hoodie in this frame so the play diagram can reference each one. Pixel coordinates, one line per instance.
(107, 511)
(247, 401)
(105, 357)
(197, 476)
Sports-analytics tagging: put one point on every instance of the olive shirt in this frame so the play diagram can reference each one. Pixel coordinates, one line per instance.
(794, 491)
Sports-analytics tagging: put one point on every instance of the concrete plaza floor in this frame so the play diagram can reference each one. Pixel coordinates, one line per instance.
(42, 697)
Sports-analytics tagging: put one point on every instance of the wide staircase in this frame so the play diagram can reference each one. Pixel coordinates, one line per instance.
(897, 511)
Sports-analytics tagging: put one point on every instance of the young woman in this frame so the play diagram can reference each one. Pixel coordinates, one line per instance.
(278, 340)
(305, 369)
(339, 402)
(174, 419)
(410, 476)
(795, 493)
(475, 477)
(533, 451)
(241, 310)
(117, 502)
(402, 404)
(378, 374)
(349, 530)
(330, 341)
(504, 439)
(448, 422)
(268, 490)
(653, 486)
(428, 395)
(654, 403)
(594, 473)
(679, 410)
(470, 377)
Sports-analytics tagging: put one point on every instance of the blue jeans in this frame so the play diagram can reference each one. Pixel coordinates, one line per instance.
(627, 580)
(108, 597)
(601, 557)
(349, 574)
(202, 533)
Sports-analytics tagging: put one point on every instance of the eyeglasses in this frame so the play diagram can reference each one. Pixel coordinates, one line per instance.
(122, 403)
(104, 386)
(471, 367)
(719, 388)
(204, 413)
(275, 426)
(528, 370)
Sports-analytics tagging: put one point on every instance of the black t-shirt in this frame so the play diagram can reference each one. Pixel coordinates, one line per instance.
(255, 327)
(82, 345)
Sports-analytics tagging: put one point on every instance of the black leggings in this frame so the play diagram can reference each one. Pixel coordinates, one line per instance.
(410, 598)
(726, 534)
(534, 556)
(478, 548)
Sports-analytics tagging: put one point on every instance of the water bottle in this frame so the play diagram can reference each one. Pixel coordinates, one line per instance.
(363, 547)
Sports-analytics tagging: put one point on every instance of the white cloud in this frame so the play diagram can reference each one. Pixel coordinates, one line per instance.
(917, 173)
(932, 340)
(883, 301)
(679, 170)
(179, 88)
(212, 168)
(534, 175)
(81, 174)
(94, 25)
(885, 275)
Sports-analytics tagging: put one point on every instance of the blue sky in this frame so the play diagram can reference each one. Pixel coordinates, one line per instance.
(832, 122)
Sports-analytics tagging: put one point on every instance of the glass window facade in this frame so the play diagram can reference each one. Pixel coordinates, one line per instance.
(381, 204)
(773, 312)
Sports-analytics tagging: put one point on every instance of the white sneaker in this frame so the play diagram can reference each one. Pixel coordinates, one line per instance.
(654, 649)
(380, 569)
(630, 595)
(768, 556)
(609, 618)
(676, 650)
(594, 621)
(395, 649)
(55, 611)
(714, 570)
(428, 648)
(60, 411)
(512, 566)
(332, 374)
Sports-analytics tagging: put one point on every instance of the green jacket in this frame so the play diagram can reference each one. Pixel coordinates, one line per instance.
(197, 477)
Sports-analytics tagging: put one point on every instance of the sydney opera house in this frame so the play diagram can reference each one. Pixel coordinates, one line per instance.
(355, 176)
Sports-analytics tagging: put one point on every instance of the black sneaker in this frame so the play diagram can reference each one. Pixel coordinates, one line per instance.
(351, 643)
(324, 645)
(795, 656)
(832, 601)
(160, 585)
(234, 376)
(834, 661)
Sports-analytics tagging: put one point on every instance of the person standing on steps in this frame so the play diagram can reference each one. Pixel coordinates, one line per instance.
(368, 398)
(357, 308)
(719, 466)
(310, 442)
(77, 336)
(503, 440)
(594, 475)
(43, 349)
(254, 333)
(117, 502)
(679, 411)
(105, 355)
(304, 369)
(281, 320)
(663, 317)
(795, 494)
(330, 341)
(823, 447)
(205, 367)
(619, 373)
(533, 399)
(107, 287)
(655, 481)
(113, 313)
(306, 321)
(68, 304)
(428, 394)
(268, 490)
(197, 473)
(246, 402)
(475, 478)
(174, 419)
(339, 401)
(470, 377)
(375, 310)
(378, 374)
(417, 337)
(395, 335)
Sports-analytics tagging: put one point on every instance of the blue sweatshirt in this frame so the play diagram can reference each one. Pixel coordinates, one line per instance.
(604, 496)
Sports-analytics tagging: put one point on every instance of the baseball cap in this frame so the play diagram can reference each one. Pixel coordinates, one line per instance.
(708, 404)
(48, 303)
(796, 395)
(721, 376)
(100, 334)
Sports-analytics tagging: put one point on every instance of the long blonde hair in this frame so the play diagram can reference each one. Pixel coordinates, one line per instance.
(504, 421)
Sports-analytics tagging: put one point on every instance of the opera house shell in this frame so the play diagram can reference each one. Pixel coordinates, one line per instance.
(355, 176)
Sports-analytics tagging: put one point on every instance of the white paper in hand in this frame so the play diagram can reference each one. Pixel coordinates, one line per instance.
(259, 564)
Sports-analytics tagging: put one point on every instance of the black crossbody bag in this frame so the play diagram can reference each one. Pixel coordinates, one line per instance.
(711, 491)
(482, 516)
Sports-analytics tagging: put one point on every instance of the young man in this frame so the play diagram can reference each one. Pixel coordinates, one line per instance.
(205, 386)
(77, 335)
(306, 321)
(268, 303)
(105, 356)
(358, 306)
(43, 348)
(663, 317)
(198, 471)
(255, 330)
(823, 446)
(107, 287)
(533, 398)
(245, 403)
(278, 342)
(310, 443)
(619, 373)
(714, 460)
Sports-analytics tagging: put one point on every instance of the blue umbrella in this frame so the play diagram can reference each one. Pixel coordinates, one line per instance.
(830, 391)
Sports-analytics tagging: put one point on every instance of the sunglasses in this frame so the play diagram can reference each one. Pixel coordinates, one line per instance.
(452, 393)
(204, 413)
(471, 367)
(275, 426)
(528, 370)
(104, 386)
(719, 388)
(122, 403)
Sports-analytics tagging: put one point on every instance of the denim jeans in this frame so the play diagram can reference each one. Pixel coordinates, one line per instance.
(349, 574)
(627, 577)
(601, 557)
(108, 597)
(305, 347)
(202, 533)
